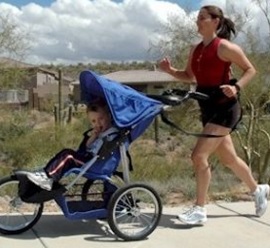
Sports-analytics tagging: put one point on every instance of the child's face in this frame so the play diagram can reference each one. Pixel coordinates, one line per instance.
(100, 120)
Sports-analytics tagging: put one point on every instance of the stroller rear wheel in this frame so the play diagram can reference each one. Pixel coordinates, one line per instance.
(134, 211)
(16, 216)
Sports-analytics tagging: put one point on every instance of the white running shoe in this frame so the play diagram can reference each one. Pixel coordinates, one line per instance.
(41, 179)
(196, 215)
(260, 197)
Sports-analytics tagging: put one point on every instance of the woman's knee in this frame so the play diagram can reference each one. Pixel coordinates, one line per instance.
(199, 160)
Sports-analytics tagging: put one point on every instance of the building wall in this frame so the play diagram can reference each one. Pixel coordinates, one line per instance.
(45, 79)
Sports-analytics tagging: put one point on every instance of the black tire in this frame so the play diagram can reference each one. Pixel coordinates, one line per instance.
(16, 216)
(135, 206)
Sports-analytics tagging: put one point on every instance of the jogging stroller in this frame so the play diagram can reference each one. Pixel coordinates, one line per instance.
(133, 210)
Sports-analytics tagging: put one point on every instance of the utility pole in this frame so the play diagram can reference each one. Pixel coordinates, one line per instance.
(60, 79)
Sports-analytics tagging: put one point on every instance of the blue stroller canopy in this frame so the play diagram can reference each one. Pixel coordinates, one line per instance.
(129, 108)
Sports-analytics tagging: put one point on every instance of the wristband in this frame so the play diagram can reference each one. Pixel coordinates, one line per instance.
(238, 88)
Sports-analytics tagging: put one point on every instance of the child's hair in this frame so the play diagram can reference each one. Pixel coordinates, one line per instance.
(95, 105)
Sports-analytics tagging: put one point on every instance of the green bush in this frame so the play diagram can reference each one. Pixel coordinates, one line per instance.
(24, 146)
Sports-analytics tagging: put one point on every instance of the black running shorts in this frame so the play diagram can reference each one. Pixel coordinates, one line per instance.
(220, 110)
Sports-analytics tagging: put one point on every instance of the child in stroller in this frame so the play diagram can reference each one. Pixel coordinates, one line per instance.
(100, 119)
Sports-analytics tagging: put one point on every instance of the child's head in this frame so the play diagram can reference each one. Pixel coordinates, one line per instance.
(99, 116)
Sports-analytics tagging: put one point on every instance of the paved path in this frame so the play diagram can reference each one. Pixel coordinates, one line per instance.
(230, 225)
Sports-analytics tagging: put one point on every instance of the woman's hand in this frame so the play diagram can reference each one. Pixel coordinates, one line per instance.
(229, 90)
(165, 65)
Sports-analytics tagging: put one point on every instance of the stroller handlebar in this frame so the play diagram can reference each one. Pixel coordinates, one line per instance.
(198, 95)
(173, 97)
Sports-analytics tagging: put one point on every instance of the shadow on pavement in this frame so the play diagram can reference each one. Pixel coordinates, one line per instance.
(55, 226)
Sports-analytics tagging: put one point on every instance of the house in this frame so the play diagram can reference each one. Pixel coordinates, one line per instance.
(35, 81)
(146, 81)
(32, 76)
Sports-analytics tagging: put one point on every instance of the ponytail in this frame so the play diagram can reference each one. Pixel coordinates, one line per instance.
(226, 28)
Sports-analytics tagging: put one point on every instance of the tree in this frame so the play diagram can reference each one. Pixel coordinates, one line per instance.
(13, 41)
(264, 6)
(254, 137)
(177, 35)
(13, 44)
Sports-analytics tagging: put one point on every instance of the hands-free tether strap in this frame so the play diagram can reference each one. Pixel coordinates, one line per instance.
(202, 135)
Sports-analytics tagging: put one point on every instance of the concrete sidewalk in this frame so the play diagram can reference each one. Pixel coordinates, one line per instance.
(229, 225)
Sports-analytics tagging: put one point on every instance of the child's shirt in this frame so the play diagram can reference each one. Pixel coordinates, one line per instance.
(95, 146)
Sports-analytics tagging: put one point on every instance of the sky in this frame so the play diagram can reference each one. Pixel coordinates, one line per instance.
(62, 32)
(194, 3)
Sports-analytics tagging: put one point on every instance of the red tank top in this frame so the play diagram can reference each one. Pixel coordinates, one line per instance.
(208, 68)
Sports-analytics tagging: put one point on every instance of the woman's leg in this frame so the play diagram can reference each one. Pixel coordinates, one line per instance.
(203, 149)
(228, 157)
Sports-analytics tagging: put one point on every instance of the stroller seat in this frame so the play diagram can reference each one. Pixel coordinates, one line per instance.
(105, 162)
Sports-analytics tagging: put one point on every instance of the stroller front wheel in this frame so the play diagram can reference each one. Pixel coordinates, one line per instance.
(16, 216)
(134, 211)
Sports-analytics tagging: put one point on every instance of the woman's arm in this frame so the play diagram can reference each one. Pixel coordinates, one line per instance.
(233, 53)
(184, 75)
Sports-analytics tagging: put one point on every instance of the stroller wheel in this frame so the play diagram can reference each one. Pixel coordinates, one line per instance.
(134, 211)
(16, 216)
